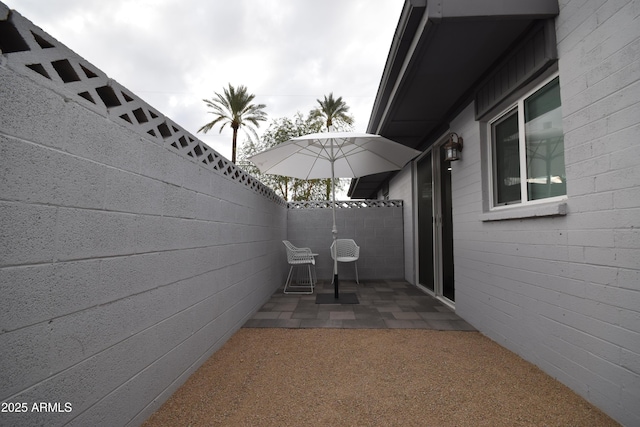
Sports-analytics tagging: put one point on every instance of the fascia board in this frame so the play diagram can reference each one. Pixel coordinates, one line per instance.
(493, 9)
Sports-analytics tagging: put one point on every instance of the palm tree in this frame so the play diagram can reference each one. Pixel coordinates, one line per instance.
(234, 108)
(331, 110)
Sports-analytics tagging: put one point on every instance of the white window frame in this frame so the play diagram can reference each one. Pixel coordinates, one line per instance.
(519, 106)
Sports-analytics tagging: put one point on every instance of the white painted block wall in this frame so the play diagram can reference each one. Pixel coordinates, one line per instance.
(377, 230)
(401, 187)
(564, 292)
(124, 263)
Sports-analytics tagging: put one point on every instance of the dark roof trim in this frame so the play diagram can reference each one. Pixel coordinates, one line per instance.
(417, 18)
(492, 9)
(403, 45)
(416, 94)
(535, 53)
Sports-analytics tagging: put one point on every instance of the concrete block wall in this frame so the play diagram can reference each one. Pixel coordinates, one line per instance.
(129, 251)
(563, 291)
(377, 230)
(402, 188)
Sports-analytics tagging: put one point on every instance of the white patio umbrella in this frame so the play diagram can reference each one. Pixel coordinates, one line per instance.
(334, 155)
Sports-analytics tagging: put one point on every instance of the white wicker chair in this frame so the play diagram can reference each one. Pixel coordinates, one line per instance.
(300, 257)
(347, 251)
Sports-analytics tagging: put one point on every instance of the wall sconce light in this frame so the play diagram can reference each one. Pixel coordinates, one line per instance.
(453, 148)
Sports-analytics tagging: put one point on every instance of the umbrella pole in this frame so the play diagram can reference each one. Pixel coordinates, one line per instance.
(334, 232)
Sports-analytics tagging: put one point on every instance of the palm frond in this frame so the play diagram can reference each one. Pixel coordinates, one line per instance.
(331, 109)
(233, 107)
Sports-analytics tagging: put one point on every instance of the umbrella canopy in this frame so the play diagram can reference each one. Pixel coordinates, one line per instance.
(334, 155)
(351, 154)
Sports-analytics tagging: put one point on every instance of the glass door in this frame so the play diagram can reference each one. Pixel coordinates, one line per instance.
(435, 225)
(425, 223)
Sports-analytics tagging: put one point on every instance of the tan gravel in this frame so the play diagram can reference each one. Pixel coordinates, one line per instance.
(386, 377)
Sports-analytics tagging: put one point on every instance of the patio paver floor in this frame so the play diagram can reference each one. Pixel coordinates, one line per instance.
(383, 304)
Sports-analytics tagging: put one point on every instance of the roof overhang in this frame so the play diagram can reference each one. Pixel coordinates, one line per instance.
(439, 53)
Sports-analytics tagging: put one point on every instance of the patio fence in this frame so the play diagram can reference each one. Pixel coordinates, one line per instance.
(130, 250)
(375, 225)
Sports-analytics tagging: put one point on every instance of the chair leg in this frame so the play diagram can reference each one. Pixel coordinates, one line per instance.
(288, 284)
(315, 276)
(355, 264)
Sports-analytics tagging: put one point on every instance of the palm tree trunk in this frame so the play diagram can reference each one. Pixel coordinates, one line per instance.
(233, 147)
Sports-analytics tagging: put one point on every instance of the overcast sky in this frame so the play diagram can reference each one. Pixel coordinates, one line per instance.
(174, 53)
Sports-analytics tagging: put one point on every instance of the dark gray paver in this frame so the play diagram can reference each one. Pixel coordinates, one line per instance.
(383, 305)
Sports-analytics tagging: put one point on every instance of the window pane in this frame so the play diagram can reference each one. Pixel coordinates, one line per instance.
(544, 140)
(507, 160)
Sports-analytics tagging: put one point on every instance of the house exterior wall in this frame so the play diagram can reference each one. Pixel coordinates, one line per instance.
(560, 285)
(125, 261)
(377, 230)
(402, 187)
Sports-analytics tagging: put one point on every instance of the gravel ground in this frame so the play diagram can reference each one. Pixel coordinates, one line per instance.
(386, 377)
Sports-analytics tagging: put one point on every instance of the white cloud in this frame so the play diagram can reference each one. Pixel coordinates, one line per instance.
(174, 53)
